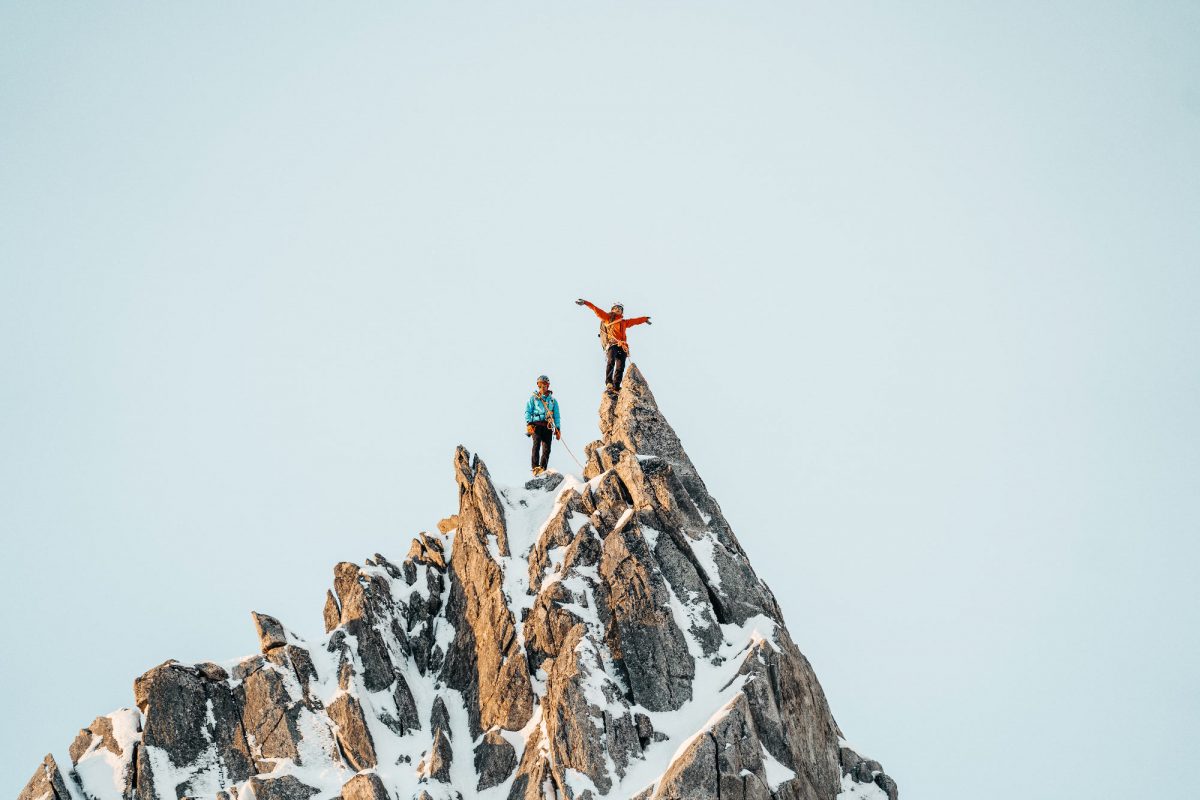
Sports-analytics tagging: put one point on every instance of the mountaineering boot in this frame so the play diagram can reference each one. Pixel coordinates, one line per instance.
(537, 471)
(609, 389)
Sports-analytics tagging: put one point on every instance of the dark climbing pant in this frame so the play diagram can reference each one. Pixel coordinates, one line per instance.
(616, 366)
(542, 437)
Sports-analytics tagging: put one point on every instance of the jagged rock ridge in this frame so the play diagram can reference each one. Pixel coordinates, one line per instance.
(565, 640)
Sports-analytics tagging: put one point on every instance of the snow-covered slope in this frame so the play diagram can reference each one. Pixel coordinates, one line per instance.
(569, 638)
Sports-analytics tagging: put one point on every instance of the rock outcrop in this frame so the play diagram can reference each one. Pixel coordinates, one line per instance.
(562, 639)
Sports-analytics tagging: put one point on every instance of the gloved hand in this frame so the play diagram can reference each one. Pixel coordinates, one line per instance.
(580, 301)
(529, 429)
(557, 433)
(648, 322)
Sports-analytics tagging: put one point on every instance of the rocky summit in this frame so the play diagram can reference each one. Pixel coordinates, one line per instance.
(562, 640)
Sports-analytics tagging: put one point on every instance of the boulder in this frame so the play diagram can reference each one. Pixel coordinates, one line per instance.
(365, 786)
(888, 785)
(495, 760)
(547, 482)
(287, 787)
(270, 632)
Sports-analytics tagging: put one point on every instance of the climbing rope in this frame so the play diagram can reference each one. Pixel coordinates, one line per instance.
(572, 455)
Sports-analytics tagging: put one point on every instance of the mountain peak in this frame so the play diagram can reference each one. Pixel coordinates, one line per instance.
(566, 639)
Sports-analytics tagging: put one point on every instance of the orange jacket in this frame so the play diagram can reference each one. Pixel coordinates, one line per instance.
(615, 326)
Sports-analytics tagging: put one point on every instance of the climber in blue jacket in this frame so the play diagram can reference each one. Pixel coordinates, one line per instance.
(541, 421)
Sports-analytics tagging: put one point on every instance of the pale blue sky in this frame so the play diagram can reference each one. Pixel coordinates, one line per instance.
(923, 277)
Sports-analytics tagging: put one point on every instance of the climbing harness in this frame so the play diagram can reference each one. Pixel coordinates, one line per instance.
(607, 340)
(546, 407)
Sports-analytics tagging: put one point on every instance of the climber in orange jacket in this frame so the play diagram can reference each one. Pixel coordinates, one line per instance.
(613, 325)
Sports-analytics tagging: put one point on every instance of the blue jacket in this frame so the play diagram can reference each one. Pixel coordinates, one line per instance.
(535, 411)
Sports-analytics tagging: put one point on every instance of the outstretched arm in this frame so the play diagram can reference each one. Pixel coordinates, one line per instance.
(601, 313)
(630, 321)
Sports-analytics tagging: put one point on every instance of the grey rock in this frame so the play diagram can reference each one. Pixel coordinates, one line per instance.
(685, 582)
(366, 606)
(547, 482)
(270, 632)
(888, 785)
(377, 669)
(611, 502)
(863, 773)
(693, 775)
(407, 718)
(287, 787)
(353, 736)
(548, 624)
(212, 672)
(726, 762)
(46, 783)
(187, 716)
(439, 717)
(495, 760)
(304, 668)
(791, 714)
(572, 719)
(849, 760)
(645, 731)
(269, 716)
(391, 569)
(365, 786)
(635, 422)
(643, 636)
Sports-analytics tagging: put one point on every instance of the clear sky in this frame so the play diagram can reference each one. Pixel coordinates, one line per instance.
(924, 279)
